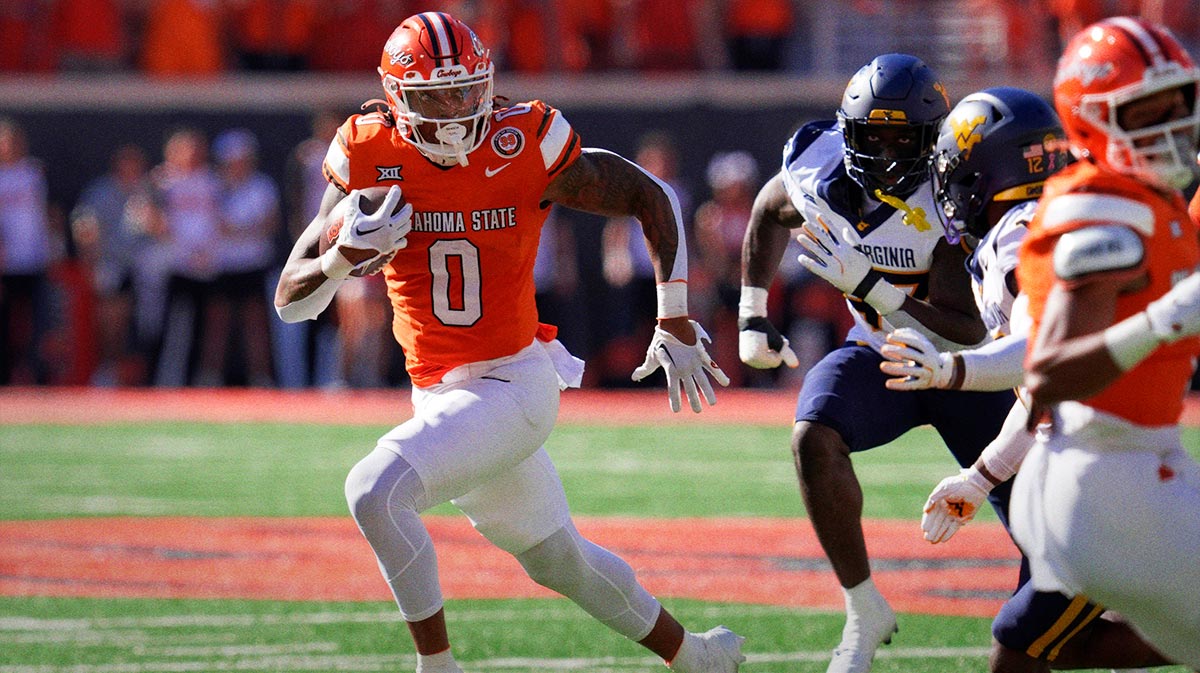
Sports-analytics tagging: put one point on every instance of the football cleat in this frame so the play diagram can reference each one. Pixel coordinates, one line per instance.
(863, 634)
(718, 650)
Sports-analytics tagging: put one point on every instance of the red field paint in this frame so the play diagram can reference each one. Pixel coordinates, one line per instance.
(757, 561)
(763, 561)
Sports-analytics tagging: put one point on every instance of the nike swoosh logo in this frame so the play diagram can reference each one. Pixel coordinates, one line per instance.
(489, 172)
(363, 232)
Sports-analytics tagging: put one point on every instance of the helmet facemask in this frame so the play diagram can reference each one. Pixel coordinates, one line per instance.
(958, 192)
(895, 165)
(446, 118)
(1163, 153)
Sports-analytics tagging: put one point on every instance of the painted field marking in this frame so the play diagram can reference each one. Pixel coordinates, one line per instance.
(246, 558)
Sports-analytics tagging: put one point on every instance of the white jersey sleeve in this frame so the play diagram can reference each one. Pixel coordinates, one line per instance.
(993, 263)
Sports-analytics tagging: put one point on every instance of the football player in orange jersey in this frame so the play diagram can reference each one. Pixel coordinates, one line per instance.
(1107, 503)
(478, 183)
(1194, 206)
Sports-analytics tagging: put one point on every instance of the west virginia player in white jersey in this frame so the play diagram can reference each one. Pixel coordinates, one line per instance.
(993, 155)
(486, 374)
(857, 191)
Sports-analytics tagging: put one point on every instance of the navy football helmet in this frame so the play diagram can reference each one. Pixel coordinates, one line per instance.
(889, 117)
(997, 145)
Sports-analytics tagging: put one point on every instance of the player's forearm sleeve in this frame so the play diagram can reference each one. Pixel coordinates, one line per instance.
(997, 365)
(1003, 456)
(311, 306)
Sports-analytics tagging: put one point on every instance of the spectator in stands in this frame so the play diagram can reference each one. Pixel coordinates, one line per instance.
(25, 43)
(184, 37)
(274, 35)
(27, 248)
(556, 282)
(112, 246)
(670, 35)
(630, 306)
(364, 332)
(306, 352)
(348, 33)
(720, 227)
(757, 32)
(1073, 15)
(237, 310)
(586, 27)
(90, 35)
(188, 197)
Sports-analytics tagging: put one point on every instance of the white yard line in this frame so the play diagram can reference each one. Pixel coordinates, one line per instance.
(296, 662)
(163, 653)
(26, 625)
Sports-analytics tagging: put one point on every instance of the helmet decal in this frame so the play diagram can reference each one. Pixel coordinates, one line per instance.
(966, 132)
(997, 145)
(1122, 61)
(438, 80)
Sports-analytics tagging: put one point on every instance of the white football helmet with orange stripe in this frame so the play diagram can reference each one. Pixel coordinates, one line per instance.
(438, 79)
(1117, 61)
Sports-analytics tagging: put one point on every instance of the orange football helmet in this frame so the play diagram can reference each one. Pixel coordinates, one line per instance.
(438, 79)
(1112, 63)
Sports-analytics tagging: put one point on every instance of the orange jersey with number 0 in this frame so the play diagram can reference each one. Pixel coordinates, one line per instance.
(1151, 393)
(462, 290)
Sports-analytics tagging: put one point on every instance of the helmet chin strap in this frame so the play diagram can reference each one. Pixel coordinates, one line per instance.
(453, 135)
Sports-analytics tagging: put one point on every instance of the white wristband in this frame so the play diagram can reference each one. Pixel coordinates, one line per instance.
(753, 303)
(672, 299)
(975, 477)
(1131, 340)
(885, 297)
(334, 265)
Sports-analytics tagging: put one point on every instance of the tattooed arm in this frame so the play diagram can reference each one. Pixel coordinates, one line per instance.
(606, 184)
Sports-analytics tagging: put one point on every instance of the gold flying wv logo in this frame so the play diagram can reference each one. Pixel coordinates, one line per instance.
(966, 133)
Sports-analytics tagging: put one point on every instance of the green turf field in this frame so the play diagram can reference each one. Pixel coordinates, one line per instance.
(285, 470)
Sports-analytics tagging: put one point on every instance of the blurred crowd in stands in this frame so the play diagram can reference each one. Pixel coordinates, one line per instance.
(173, 38)
(209, 37)
(161, 272)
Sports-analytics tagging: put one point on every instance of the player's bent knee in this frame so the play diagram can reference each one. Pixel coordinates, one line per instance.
(379, 482)
(553, 562)
(565, 558)
(813, 442)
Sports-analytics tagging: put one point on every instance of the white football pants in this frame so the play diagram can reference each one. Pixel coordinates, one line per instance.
(1112, 510)
(475, 440)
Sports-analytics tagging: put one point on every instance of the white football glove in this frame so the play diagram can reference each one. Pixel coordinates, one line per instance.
(837, 261)
(846, 267)
(761, 346)
(953, 503)
(683, 364)
(1176, 314)
(913, 358)
(380, 230)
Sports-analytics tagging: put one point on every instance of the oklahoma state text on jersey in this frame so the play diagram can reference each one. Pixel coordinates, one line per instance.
(462, 290)
(1082, 195)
